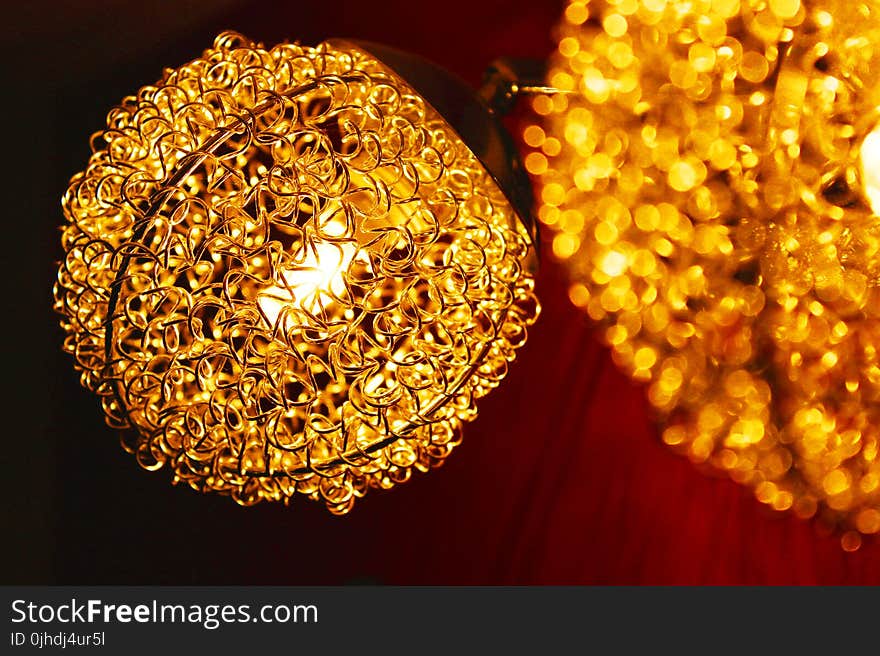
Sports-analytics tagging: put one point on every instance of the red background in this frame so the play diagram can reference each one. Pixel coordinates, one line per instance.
(561, 480)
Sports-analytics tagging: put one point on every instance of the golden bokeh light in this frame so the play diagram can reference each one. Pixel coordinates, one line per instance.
(722, 158)
(285, 273)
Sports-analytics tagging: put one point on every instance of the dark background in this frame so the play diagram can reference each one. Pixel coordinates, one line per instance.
(562, 479)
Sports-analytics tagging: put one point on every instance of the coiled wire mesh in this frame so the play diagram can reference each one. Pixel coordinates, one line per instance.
(285, 273)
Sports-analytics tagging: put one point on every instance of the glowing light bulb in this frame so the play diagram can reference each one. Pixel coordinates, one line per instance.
(869, 156)
(313, 284)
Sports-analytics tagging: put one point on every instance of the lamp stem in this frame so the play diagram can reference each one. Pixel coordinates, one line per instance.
(506, 79)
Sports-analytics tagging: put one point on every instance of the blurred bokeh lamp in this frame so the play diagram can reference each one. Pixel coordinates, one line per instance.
(712, 183)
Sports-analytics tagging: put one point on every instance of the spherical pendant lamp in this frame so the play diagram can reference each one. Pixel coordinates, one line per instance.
(287, 272)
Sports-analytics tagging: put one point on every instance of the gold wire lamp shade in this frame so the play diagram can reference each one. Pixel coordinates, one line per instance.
(286, 272)
(712, 181)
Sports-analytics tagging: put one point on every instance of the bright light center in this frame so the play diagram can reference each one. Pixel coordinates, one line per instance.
(313, 283)
(870, 160)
